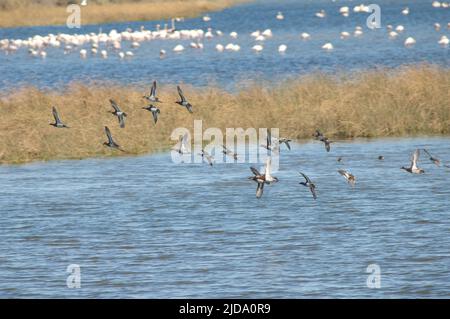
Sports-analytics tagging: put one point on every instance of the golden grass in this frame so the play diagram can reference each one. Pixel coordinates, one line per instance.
(31, 14)
(407, 101)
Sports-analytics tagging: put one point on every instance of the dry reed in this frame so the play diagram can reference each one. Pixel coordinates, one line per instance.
(25, 13)
(406, 101)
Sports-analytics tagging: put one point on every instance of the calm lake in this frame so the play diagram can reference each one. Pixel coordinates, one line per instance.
(145, 227)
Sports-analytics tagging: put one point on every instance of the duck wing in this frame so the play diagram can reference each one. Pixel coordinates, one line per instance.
(180, 92)
(115, 106)
(255, 171)
(415, 159)
(109, 136)
(259, 190)
(56, 116)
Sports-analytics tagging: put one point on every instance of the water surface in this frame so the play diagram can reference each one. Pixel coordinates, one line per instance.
(231, 70)
(145, 227)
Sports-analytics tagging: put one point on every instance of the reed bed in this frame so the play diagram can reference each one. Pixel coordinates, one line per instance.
(15, 13)
(402, 102)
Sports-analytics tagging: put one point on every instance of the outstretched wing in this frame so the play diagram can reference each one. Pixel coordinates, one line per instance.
(56, 115)
(259, 190)
(180, 92)
(108, 135)
(114, 105)
(153, 89)
(415, 159)
(268, 168)
(312, 188)
(305, 177)
(121, 120)
(288, 145)
(255, 171)
(343, 173)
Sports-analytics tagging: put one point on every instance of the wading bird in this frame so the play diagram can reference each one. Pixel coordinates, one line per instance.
(309, 184)
(118, 112)
(58, 122)
(183, 101)
(413, 169)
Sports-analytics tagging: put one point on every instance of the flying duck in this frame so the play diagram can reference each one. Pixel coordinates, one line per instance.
(118, 112)
(182, 146)
(308, 183)
(152, 96)
(259, 179)
(155, 111)
(351, 179)
(318, 135)
(58, 122)
(435, 160)
(413, 169)
(262, 179)
(183, 101)
(208, 157)
(228, 152)
(111, 143)
(285, 141)
(270, 145)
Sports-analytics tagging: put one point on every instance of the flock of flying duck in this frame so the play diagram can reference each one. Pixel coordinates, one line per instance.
(272, 145)
(112, 42)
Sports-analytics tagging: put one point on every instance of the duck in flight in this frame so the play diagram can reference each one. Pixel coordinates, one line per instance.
(228, 152)
(309, 184)
(111, 143)
(58, 122)
(414, 169)
(271, 145)
(262, 179)
(319, 136)
(285, 141)
(351, 179)
(209, 158)
(435, 160)
(183, 101)
(119, 113)
(152, 96)
(155, 111)
(182, 146)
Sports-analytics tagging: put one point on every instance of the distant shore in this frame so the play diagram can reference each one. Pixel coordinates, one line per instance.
(20, 13)
(409, 101)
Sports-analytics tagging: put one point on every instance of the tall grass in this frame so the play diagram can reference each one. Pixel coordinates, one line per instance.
(15, 13)
(407, 101)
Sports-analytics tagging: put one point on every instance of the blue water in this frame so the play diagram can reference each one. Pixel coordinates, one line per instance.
(231, 70)
(145, 227)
